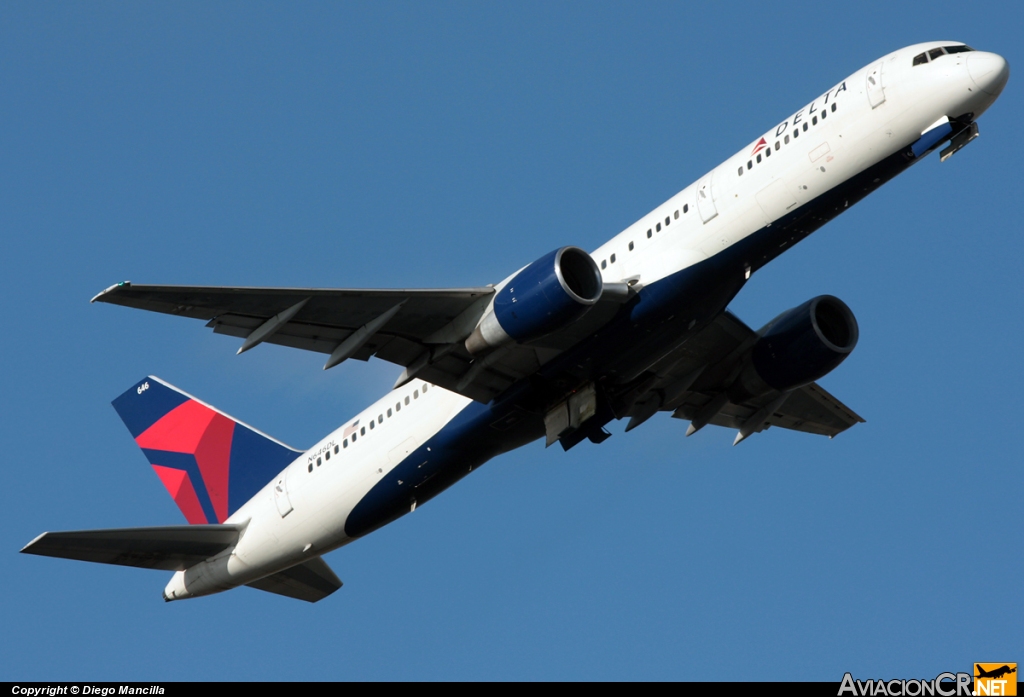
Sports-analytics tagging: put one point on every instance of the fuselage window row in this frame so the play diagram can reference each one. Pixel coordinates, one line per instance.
(650, 234)
(362, 430)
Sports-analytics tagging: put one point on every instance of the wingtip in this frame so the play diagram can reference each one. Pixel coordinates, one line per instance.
(111, 289)
(26, 549)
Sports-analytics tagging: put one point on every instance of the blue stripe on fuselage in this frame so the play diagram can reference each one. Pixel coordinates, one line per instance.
(464, 443)
(646, 328)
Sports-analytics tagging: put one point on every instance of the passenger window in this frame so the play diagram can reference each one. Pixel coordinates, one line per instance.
(750, 164)
(686, 207)
(310, 466)
(656, 227)
(786, 139)
(833, 107)
(759, 158)
(777, 145)
(739, 172)
(318, 461)
(824, 113)
(336, 448)
(631, 246)
(362, 431)
(805, 126)
(676, 215)
(372, 424)
(398, 406)
(935, 53)
(327, 455)
(344, 443)
(796, 132)
(380, 419)
(406, 400)
(649, 234)
(425, 388)
(668, 221)
(604, 264)
(768, 152)
(814, 121)
(416, 394)
(920, 58)
(389, 412)
(613, 256)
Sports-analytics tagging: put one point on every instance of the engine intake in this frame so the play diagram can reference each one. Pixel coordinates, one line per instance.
(798, 347)
(542, 298)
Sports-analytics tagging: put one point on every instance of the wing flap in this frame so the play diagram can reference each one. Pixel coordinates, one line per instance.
(812, 409)
(171, 548)
(311, 581)
(809, 409)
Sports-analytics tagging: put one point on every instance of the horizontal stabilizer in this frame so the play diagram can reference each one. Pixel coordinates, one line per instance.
(172, 548)
(310, 581)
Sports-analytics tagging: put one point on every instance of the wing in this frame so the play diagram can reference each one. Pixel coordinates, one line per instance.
(421, 330)
(399, 325)
(172, 548)
(691, 383)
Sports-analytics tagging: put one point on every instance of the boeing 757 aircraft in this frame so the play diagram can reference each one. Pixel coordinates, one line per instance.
(557, 350)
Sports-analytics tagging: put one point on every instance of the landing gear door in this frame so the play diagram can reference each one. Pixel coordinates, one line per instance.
(284, 503)
(876, 93)
(706, 199)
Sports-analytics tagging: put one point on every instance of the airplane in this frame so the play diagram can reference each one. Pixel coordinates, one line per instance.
(557, 350)
(994, 673)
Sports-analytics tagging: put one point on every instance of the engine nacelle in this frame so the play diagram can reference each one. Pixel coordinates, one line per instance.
(544, 297)
(798, 347)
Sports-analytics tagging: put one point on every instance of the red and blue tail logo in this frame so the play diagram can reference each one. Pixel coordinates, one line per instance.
(210, 463)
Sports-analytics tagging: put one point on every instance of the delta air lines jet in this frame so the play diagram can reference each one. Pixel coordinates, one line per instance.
(557, 350)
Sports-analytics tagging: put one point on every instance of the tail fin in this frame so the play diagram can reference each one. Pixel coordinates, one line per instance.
(210, 463)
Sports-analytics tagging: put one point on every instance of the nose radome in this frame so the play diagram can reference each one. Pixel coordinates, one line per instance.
(990, 71)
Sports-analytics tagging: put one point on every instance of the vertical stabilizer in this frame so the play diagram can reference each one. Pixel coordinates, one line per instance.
(210, 463)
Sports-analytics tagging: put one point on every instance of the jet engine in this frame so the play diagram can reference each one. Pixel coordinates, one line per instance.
(541, 298)
(798, 347)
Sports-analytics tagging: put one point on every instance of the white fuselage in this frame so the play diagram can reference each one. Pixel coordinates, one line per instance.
(872, 115)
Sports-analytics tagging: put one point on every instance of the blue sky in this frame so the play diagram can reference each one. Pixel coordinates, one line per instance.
(446, 144)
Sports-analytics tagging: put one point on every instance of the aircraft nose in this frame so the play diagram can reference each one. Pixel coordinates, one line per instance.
(990, 71)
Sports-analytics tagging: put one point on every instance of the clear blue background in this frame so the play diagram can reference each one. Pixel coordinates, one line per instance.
(446, 144)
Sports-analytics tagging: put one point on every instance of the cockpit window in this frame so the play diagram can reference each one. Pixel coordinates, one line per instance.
(935, 53)
(920, 59)
(963, 48)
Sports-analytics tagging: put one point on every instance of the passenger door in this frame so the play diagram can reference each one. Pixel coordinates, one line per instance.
(281, 498)
(706, 199)
(876, 93)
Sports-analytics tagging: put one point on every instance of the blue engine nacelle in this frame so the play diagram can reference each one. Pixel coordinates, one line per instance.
(542, 298)
(798, 347)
